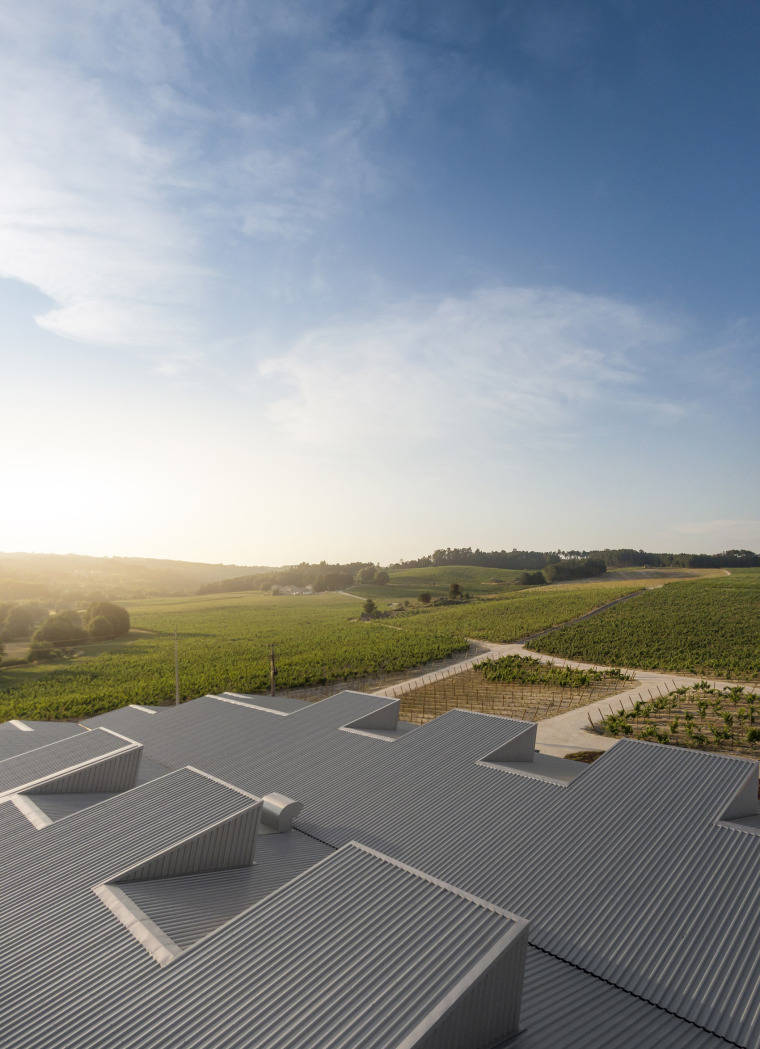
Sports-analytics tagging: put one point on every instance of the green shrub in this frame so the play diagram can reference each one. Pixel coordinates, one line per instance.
(100, 628)
(61, 628)
(19, 622)
(116, 616)
(41, 650)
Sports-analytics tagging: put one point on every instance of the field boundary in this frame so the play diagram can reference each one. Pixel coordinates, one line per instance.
(493, 650)
(586, 615)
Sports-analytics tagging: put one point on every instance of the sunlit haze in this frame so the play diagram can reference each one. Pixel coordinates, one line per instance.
(353, 281)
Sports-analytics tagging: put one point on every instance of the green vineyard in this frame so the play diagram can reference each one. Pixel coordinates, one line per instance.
(525, 612)
(224, 641)
(525, 671)
(707, 627)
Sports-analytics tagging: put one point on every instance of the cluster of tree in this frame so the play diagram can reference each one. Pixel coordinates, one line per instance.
(628, 558)
(17, 621)
(455, 594)
(465, 555)
(102, 621)
(531, 579)
(574, 568)
(558, 571)
(533, 560)
(371, 574)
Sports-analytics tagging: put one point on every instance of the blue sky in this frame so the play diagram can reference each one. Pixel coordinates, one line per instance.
(354, 280)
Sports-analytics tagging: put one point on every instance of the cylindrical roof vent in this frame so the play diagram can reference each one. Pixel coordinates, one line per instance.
(279, 811)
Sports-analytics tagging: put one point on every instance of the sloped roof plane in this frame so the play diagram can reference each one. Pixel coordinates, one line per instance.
(640, 877)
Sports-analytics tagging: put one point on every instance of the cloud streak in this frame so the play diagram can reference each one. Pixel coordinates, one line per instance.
(128, 159)
(85, 216)
(495, 366)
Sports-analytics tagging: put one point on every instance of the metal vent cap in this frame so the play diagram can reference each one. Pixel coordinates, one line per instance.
(278, 811)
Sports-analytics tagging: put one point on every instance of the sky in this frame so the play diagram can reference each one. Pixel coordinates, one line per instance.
(354, 280)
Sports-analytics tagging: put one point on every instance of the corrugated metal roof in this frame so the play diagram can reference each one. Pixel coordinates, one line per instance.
(283, 704)
(228, 842)
(11, 819)
(565, 1008)
(642, 819)
(15, 740)
(62, 949)
(58, 806)
(190, 907)
(357, 951)
(126, 720)
(627, 872)
(110, 773)
(58, 757)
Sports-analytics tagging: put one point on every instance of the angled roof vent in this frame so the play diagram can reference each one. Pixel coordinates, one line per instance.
(521, 747)
(111, 774)
(278, 811)
(228, 844)
(744, 804)
(385, 718)
(82, 763)
(370, 951)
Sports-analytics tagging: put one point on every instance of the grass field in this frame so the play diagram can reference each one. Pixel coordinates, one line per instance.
(710, 627)
(410, 582)
(224, 642)
(658, 576)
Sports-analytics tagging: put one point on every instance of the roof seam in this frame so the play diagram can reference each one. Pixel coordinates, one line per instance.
(640, 997)
(251, 706)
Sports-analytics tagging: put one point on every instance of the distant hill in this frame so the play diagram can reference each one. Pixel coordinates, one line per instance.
(77, 578)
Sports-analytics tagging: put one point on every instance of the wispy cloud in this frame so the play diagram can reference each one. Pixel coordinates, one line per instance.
(501, 364)
(85, 216)
(134, 170)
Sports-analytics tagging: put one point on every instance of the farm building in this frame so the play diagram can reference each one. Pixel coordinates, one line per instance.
(244, 871)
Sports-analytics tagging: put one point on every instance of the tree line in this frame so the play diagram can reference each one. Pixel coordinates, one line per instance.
(536, 560)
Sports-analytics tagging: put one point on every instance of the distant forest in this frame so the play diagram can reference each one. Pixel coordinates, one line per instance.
(537, 566)
(319, 577)
(534, 560)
